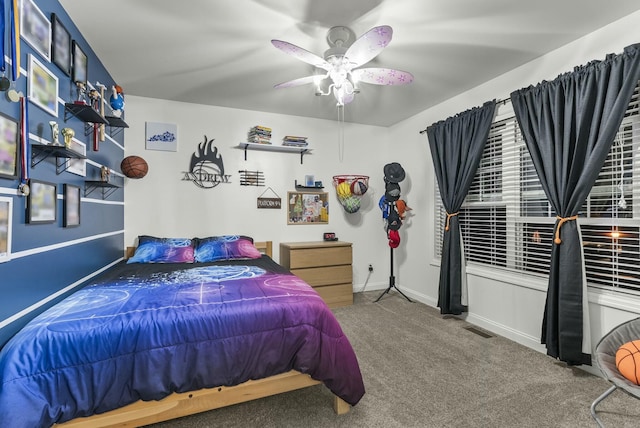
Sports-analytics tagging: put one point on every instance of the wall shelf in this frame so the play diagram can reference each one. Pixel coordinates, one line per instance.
(40, 152)
(106, 188)
(84, 112)
(117, 123)
(273, 148)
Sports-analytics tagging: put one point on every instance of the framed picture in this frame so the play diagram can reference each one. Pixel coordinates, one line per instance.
(35, 28)
(161, 136)
(60, 45)
(6, 212)
(307, 208)
(71, 206)
(41, 202)
(77, 166)
(43, 87)
(9, 133)
(80, 64)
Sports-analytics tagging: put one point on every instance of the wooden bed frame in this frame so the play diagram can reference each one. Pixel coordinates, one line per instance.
(187, 403)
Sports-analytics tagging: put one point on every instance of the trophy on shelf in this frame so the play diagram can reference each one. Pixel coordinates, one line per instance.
(68, 135)
(54, 133)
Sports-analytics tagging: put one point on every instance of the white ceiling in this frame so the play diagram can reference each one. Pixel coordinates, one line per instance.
(220, 52)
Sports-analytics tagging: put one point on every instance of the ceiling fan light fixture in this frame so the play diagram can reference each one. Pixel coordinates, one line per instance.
(341, 62)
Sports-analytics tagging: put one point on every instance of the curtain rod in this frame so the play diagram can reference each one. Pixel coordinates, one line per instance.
(503, 102)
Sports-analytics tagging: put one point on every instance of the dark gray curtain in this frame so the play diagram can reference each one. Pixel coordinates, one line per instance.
(569, 125)
(456, 146)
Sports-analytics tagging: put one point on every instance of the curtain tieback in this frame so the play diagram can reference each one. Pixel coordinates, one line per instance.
(557, 239)
(446, 227)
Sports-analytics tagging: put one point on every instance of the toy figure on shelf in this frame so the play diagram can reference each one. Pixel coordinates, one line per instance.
(116, 101)
(94, 97)
(105, 172)
(82, 89)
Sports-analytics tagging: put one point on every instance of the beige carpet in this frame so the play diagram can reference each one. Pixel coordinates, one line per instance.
(421, 370)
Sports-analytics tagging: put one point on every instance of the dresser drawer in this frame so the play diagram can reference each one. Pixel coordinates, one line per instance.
(325, 275)
(313, 257)
(336, 295)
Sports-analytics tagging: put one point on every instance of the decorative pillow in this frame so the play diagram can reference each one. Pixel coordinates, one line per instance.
(227, 247)
(628, 361)
(163, 250)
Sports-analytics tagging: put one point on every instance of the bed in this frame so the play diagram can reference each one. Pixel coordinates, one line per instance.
(149, 342)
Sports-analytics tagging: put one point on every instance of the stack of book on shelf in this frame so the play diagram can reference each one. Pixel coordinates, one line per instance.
(259, 134)
(293, 141)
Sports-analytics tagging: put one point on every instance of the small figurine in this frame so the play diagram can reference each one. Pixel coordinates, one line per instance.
(116, 101)
(104, 173)
(68, 135)
(94, 96)
(54, 133)
(82, 89)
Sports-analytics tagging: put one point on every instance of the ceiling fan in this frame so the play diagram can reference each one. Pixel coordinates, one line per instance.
(340, 63)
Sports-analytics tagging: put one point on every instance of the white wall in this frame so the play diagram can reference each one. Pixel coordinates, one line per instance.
(162, 204)
(503, 304)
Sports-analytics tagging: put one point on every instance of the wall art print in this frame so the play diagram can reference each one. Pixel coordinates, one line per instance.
(308, 208)
(206, 169)
(43, 87)
(161, 136)
(77, 166)
(9, 144)
(6, 212)
(35, 28)
(61, 45)
(41, 202)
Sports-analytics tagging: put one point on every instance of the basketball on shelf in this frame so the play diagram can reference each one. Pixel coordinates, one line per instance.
(134, 167)
(628, 361)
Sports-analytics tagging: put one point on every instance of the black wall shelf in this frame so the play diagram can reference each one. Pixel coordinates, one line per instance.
(106, 188)
(40, 152)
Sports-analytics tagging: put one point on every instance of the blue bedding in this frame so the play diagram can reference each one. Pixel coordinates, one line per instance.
(144, 331)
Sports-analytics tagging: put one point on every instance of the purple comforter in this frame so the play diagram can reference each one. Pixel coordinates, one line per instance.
(146, 331)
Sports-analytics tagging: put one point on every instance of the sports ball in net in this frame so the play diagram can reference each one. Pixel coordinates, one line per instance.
(134, 167)
(343, 190)
(351, 204)
(358, 187)
(628, 361)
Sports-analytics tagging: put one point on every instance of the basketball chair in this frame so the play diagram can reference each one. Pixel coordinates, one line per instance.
(605, 357)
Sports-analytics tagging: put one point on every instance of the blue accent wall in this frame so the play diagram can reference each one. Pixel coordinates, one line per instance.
(49, 261)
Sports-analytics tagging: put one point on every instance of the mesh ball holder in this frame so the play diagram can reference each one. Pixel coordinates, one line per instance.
(350, 201)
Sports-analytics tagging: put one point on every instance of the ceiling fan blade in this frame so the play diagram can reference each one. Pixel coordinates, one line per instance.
(297, 82)
(382, 76)
(369, 45)
(301, 54)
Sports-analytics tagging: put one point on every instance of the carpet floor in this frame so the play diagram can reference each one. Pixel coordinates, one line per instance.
(424, 370)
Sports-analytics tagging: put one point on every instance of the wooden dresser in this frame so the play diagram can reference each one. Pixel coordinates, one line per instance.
(326, 266)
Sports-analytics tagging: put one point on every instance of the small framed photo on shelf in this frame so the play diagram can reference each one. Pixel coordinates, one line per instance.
(9, 132)
(71, 206)
(60, 45)
(43, 87)
(35, 28)
(80, 69)
(77, 166)
(307, 208)
(41, 202)
(6, 215)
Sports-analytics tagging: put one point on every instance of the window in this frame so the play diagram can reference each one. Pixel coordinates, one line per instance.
(506, 221)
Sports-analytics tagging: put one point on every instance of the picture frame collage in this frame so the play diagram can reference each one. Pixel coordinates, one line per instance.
(51, 44)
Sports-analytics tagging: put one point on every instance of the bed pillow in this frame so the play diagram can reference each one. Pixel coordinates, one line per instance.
(163, 250)
(227, 247)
